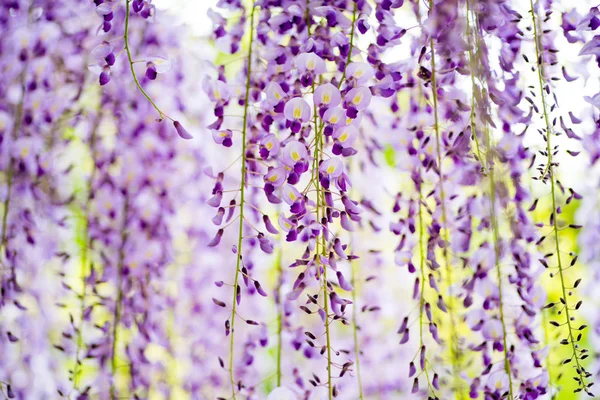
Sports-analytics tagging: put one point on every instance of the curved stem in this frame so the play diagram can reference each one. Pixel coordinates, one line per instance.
(161, 114)
(450, 304)
(242, 201)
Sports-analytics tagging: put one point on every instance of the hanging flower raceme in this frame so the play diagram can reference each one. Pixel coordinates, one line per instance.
(42, 66)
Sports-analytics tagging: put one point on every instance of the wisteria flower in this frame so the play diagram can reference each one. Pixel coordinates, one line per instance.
(297, 111)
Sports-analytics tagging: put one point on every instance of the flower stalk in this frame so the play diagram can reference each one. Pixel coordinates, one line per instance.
(241, 205)
(321, 245)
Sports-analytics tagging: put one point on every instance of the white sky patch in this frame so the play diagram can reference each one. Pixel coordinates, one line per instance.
(190, 12)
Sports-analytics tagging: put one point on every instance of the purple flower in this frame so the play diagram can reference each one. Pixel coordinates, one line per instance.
(360, 72)
(332, 167)
(276, 176)
(275, 93)
(346, 136)
(297, 111)
(310, 62)
(294, 153)
(223, 137)
(181, 131)
(358, 98)
(327, 96)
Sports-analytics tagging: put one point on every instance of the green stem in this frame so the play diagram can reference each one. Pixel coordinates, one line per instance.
(453, 337)
(242, 203)
(119, 300)
(316, 161)
(325, 292)
(161, 114)
(550, 171)
(85, 255)
(489, 167)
